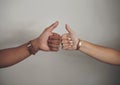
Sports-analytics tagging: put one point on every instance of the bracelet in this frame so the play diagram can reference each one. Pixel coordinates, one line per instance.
(31, 49)
(79, 44)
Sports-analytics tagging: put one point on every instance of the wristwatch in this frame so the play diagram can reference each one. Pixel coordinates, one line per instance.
(31, 48)
(79, 44)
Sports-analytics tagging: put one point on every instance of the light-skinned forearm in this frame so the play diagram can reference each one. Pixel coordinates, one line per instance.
(101, 53)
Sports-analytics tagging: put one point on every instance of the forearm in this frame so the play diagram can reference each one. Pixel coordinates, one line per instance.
(101, 53)
(14, 55)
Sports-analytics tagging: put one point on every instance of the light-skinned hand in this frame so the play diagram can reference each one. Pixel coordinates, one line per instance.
(69, 40)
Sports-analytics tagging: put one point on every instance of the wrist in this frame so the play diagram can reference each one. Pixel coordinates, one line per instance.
(79, 44)
(36, 44)
(33, 47)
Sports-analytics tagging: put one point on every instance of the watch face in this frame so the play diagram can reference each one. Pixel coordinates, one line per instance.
(80, 43)
(29, 44)
(31, 49)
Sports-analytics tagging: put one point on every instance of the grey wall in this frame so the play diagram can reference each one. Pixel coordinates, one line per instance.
(97, 21)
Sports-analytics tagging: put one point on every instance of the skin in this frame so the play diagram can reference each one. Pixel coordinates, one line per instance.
(101, 53)
(11, 56)
(49, 41)
(54, 42)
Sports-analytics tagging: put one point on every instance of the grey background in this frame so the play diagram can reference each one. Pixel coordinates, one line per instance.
(97, 21)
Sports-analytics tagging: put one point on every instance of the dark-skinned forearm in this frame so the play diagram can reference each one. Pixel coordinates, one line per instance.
(14, 55)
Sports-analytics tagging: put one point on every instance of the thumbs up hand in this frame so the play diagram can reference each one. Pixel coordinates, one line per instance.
(69, 40)
(48, 41)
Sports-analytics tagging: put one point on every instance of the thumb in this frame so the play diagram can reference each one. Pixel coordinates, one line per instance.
(69, 29)
(53, 26)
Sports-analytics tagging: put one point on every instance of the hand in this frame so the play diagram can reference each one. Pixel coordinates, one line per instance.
(69, 40)
(42, 41)
(54, 42)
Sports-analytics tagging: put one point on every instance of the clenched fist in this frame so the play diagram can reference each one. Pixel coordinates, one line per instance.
(69, 40)
(54, 42)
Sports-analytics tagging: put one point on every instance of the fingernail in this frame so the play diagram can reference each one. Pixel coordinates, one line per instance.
(69, 39)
